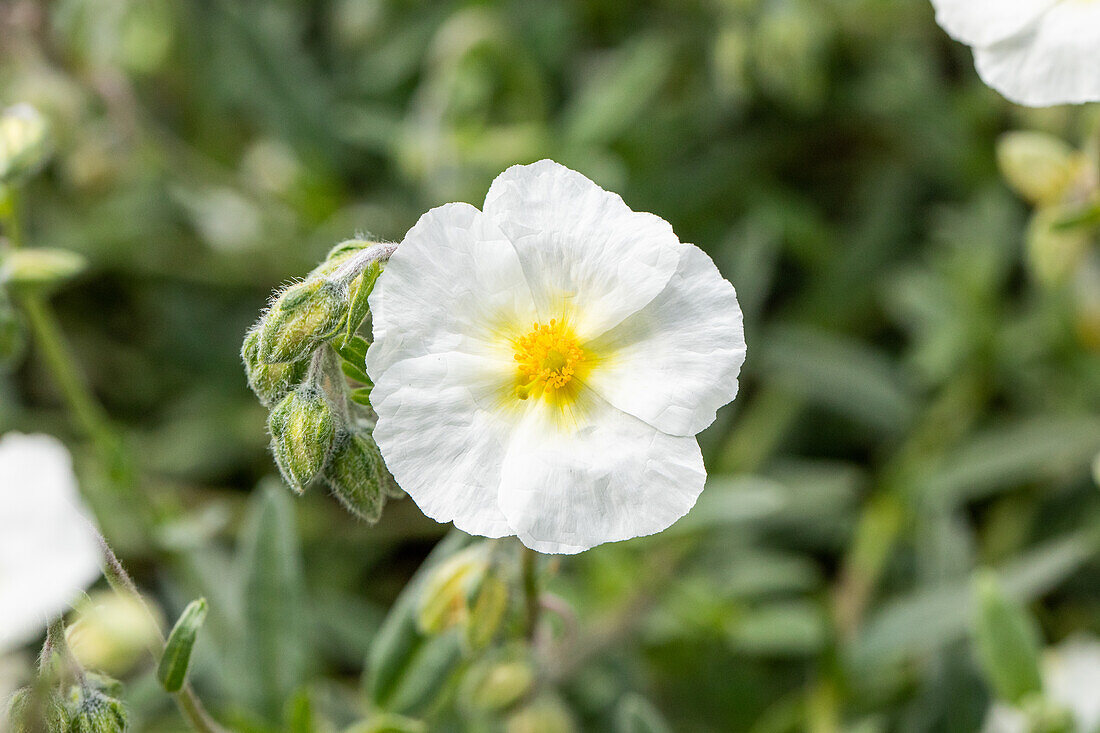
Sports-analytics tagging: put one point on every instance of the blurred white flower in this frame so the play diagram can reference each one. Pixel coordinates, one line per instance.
(1071, 678)
(48, 548)
(541, 367)
(1037, 53)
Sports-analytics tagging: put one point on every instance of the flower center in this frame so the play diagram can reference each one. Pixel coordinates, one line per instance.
(548, 358)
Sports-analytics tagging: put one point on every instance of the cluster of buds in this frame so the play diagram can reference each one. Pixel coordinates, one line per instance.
(90, 705)
(466, 591)
(302, 359)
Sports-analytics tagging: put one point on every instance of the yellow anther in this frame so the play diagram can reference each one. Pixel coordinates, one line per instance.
(548, 358)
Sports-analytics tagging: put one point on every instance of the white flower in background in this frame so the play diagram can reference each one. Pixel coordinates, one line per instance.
(1071, 679)
(1035, 52)
(541, 367)
(48, 548)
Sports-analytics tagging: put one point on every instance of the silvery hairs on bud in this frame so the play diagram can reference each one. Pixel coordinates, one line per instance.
(356, 473)
(303, 429)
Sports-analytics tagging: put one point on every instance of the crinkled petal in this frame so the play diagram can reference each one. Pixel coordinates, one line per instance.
(983, 22)
(451, 285)
(48, 547)
(676, 361)
(443, 430)
(586, 254)
(599, 475)
(1055, 62)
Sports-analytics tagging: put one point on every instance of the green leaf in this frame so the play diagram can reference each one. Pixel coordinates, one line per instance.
(1006, 641)
(174, 663)
(358, 292)
(272, 585)
(922, 621)
(353, 355)
(361, 395)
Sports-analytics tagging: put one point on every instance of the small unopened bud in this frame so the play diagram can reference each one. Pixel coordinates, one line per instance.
(495, 685)
(91, 710)
(545, 715)
(301, 318)
(174, 663)
(1038, 166)
(270, 382)
(355, 474)
(1053, 251)
(32, 710)
(112, 631)
(487, 612)
(302, 429)
(444, 601)
(24, 142)
(389, 723)
(338, 255)
(39, 267)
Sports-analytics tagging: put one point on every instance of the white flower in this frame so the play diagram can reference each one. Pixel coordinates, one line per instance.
(1071, 678)
(48, 548)
(541, 367)
(1035, 52)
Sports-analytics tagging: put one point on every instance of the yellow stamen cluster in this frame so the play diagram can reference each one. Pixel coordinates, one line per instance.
(548, 358)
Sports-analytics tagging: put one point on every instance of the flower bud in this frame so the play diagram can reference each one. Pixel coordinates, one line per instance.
(93, 710)
(303, 429)
(32, 711)
(1054, 252)
(444, 601)
(270, 382)
(339, 255)
(490, 686)
(302, 316)
(389, 723)
(1038, 166)
(174, 663)
(24, 142)
(355, 475)
(111, 632)
(545, 715)
(487, 613)
(39, 267)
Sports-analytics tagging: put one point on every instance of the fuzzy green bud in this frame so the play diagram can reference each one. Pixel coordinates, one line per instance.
(92, 710)
(39, 267)
(355, 475)
(338, 256)
(24, 142)
(490, 686)
(303, 429)
(31, 710)
(444, 601)
(301, 318)
(270, 382)
(1038, 166)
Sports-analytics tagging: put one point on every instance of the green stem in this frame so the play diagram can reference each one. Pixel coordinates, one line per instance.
(533, 608)
(189, 704)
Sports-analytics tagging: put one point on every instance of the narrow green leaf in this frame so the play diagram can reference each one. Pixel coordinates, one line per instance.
(174, 663)
(1006, 640)
(358, 292)
(271, 581)
(361, 396)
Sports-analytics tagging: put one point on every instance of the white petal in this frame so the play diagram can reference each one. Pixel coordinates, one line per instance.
(1056, 62)
(586, 255)
(675, 362)
(442, 431)
(982, 22)
(48, 548)
(448, 287)
(608, 476)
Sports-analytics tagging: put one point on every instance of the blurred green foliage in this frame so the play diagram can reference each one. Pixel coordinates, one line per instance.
(917, 402)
